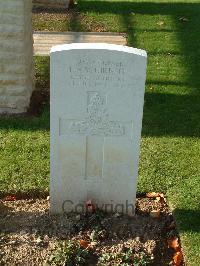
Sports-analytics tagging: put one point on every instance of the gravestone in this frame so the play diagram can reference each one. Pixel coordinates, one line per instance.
(97, 95)
(16, 55)
(44, 41)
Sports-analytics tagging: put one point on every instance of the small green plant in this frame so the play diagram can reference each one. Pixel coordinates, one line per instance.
(126, 257)
(97, 234)
(70, 253)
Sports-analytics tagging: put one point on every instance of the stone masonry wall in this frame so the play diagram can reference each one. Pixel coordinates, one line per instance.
(16, 55)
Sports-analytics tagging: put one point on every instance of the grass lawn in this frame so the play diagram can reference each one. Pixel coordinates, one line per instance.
(170, 148)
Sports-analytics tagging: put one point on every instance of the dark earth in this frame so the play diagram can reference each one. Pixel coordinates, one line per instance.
(30, 236)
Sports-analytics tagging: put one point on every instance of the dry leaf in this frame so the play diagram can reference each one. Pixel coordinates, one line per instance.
(84, 243)
(152, 195)
(184, 19)
(173, 243)
(10, 198)
(161, 198)
(157, 199)
(178, 258)
(160, 23)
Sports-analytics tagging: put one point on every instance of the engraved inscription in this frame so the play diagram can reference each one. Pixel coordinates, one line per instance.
(97, 121)
(104, 73)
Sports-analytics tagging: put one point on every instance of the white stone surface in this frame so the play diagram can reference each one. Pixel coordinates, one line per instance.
(97, 95)
(44, 41)
(16, 55)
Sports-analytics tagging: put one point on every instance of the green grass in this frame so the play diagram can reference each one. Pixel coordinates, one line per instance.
(170, 148)
(24, 154)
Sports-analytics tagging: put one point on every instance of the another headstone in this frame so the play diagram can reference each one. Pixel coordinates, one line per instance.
(44, 41)
(16, 55)
(97, 94)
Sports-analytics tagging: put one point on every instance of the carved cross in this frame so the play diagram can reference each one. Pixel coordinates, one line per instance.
(96, 126)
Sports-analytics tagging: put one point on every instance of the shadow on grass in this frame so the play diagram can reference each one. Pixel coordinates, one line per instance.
(169, 114)
(188, 220)
(150, 8)
(164, 114)
(26, 122)
(188, 33)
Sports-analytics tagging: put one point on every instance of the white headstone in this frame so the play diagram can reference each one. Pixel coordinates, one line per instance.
(97, 95)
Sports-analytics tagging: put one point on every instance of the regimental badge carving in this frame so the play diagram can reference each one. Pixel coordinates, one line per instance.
(97, 120)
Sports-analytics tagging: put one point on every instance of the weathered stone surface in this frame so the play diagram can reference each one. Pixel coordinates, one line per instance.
(97, 93)
(44, 41)
(16, 55)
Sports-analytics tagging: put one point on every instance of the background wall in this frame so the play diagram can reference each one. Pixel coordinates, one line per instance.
(16, 55)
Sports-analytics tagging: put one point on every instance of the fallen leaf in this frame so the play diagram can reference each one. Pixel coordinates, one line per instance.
(160, 23)
(84, 243)
(173, 243)
(178, 258)
(161, 195)
(157, 199)
(184, 19)
(153, 194)
(161, 198)
(10, 198)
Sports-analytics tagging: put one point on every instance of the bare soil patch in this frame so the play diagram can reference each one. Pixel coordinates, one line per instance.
(63, 20)
(30, 236)
(38, 100)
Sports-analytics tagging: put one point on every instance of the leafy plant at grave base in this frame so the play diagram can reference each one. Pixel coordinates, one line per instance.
(92, 221)
(98, 233)
(126, 257)
(70, 253)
